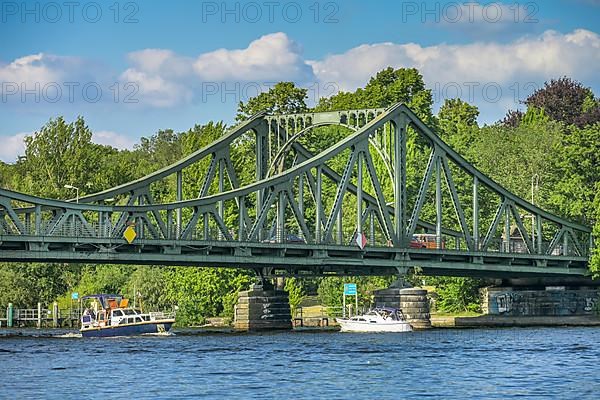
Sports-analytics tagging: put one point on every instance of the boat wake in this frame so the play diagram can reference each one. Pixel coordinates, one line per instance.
(159, 334)
(69, 335)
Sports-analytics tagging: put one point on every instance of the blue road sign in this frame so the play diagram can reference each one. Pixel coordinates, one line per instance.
(350, 289)
(74, 295)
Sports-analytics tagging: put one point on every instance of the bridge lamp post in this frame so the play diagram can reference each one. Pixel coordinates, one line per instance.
(535, 185)
(76, 191)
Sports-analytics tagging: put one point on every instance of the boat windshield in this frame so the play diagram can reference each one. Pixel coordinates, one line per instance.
(129, 311)
(386, 313)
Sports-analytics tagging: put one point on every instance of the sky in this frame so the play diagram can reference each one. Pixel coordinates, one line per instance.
(131, 68)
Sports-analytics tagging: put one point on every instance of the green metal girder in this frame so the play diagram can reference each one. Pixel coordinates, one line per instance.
(279, 188)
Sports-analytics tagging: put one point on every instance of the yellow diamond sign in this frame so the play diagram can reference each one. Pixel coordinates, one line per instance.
(130, 234)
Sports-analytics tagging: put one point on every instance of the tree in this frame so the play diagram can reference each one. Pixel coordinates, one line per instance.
(295, 291)
(457, 123)
(204, 292)
(512, 118)
(26, 285)
(564, 99)
(456, 294)
(577, 172)
(389, 86)
(405, 85)
(512, 156)
(147, 283)
(62, 154)
(595, 260)
(331, 289)
(5, 174)
(161, 149)
(283, 98)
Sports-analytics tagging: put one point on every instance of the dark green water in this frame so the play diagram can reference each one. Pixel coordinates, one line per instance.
(544, 363)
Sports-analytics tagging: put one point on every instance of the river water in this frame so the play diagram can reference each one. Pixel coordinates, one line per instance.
(450, 364)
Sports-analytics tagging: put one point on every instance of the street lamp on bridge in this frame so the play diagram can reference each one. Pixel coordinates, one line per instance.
(535, 185)
(76, 191)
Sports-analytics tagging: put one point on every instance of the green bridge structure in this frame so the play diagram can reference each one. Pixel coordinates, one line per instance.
(273, 233)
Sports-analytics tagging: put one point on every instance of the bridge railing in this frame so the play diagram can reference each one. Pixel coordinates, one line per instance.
(375, 238)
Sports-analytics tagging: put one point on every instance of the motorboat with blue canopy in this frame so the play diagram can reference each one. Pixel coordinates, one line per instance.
(110, 315)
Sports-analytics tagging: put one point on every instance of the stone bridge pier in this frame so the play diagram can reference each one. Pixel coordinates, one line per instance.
(413, 302)
(263, 307)
(542, 297)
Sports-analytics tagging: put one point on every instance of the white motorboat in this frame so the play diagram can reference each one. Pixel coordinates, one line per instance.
(381, 319)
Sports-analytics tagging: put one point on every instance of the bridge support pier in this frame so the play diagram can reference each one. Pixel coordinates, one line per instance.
(263, 307)
(542, 297)
(412, 301)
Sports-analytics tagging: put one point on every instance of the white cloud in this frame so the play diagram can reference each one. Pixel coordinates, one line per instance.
(161, 61)
(550, 55)
(12, 146)
(510, 66)
(44, 68)
(113, 139)
(166, 79)
(272, 57)
(160, 76)
(42, 81)
(29, 70)
(156, 90)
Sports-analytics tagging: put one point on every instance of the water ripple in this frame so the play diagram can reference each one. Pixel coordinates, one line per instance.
(449, 364)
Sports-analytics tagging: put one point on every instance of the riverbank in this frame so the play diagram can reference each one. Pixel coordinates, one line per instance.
(437, 322)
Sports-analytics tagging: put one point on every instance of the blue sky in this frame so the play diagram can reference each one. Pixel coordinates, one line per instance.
(134, 67)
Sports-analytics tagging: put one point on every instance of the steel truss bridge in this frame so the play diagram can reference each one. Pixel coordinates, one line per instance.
(301, 215)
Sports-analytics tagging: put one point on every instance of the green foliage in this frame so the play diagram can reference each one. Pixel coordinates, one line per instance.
(577, 172)
(62, 154)
(456, 294)
(595, 261)
(387, 87)
(283, 98)
(457, 124)
(147, 285)
(200, 293)
(296, 292)
(103, 279)
(512, 156)
(331, 289)
(15, 287)
(26, 285)
(566, 100)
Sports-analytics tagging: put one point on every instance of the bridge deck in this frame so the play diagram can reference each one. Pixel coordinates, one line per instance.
(291, 259)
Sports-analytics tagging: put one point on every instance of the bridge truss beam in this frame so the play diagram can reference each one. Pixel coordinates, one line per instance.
(272, 224)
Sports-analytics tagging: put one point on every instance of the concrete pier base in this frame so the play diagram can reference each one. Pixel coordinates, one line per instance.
(535, 301)
(262, 309)
(413, 302)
